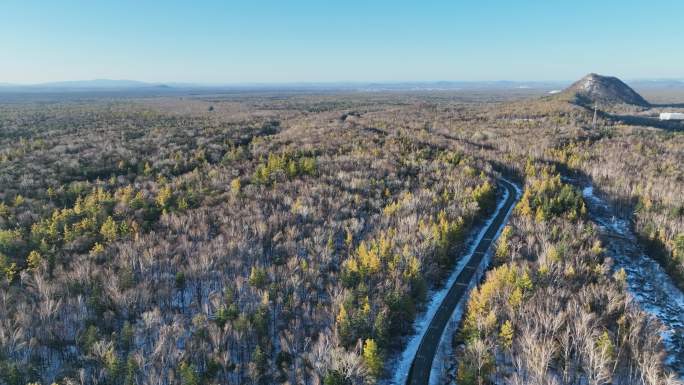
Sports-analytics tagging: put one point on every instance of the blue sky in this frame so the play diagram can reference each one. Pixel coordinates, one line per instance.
(326, 41)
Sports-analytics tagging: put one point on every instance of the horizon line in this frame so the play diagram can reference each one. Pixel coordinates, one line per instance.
(295, 82)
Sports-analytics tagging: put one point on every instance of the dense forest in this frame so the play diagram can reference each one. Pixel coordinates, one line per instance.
(294, 239)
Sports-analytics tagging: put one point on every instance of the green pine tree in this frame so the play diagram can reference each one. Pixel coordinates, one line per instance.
(372, 358)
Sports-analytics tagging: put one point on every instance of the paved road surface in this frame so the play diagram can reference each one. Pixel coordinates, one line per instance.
(419, 374)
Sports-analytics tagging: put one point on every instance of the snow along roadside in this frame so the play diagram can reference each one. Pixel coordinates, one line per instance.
(445, 348)
(402, 366)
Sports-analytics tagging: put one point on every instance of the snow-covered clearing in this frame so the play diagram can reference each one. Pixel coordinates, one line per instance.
(647, 282)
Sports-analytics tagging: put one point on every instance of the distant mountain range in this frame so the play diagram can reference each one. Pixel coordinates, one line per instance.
(81, 85)
(657, 83)
(109, 85)
(133, 85)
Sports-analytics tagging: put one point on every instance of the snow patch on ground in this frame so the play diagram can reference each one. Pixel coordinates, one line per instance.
(603, 216)
(402, 365)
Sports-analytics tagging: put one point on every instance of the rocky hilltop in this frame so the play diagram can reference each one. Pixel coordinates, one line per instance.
(603, 90)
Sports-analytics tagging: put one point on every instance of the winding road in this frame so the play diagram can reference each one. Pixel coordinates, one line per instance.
(419, 374)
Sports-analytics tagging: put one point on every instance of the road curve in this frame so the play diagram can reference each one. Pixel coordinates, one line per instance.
(419, 374)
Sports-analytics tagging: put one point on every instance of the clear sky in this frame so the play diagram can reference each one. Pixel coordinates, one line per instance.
(323, 41)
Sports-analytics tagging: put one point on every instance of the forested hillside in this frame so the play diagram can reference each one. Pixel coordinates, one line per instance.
(294, 238)
(282, 245)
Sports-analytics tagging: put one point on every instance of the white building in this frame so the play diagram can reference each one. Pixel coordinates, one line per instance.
(671, 116)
